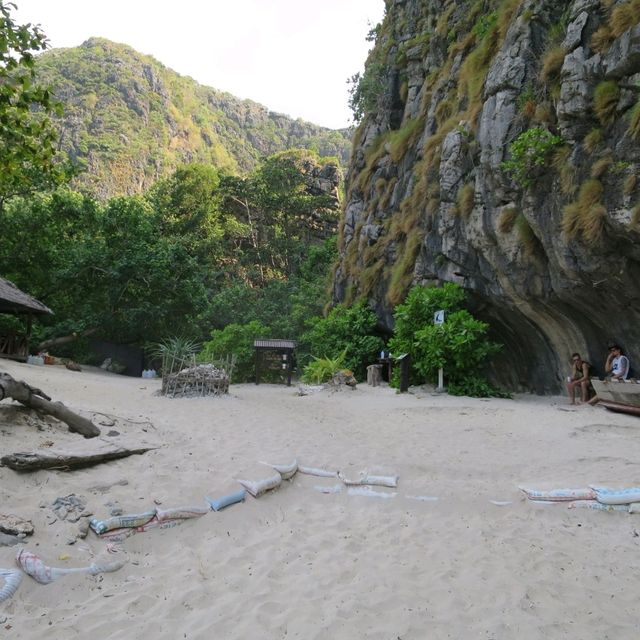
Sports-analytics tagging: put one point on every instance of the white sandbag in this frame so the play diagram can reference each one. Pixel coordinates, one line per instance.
(155, 523)
(33, 566)
(117, 535)
(258, 487)
(320, 473)
(182, 512)
(369, 492)
(594, 504)
(12, 579)
(118, 522)
(233, 497)
(559, 495)
(607, 495)
(365, 479)
(287, 471)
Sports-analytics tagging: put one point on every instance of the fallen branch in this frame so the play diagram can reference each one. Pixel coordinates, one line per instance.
(36, 399)
(71, 458)
(56, 342)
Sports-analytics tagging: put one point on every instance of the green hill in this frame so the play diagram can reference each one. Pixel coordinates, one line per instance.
(130, 120)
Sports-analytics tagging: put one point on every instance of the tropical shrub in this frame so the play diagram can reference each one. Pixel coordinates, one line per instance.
(351, 330)
(236, 339)
(459, 345)
(323, 369)
(529, 154)
(365, 89)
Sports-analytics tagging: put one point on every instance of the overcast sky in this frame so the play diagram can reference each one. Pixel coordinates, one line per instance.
(293, 56)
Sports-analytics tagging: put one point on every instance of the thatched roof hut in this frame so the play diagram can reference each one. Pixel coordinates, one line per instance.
(16, 302)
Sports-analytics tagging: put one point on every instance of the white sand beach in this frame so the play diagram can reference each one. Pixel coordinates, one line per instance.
(299, 563)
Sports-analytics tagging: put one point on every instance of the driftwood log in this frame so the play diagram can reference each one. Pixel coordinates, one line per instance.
(36, 399)
(56, 342)
(73, 457)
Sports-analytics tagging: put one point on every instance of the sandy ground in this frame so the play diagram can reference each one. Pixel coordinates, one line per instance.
(298, 563)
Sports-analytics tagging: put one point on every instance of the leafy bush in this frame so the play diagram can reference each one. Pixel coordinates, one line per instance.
(529, 153)
(236, 339)
(476, 388)
(459, 345)
(323, 369)
(365, 89)
(351, 330)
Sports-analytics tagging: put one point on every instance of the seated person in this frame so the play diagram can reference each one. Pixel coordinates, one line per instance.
(617, 365)
(579, 378)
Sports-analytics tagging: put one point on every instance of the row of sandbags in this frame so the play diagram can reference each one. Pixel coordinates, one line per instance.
(118, 528)
(590, 497)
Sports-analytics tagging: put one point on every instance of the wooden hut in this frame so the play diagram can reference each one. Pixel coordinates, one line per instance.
(18, 303)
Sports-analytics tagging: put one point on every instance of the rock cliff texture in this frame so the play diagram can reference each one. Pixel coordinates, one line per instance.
(129, 120)
(501, 150)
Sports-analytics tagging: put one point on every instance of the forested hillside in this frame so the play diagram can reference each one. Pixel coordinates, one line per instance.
(128, 120)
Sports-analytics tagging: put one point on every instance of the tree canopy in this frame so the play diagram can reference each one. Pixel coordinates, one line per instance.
(184, 259)
(27, 136)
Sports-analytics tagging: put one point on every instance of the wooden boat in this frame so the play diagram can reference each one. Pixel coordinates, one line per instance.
(619, 396)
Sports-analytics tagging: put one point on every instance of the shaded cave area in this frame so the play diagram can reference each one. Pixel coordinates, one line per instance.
(527, 362)
(535, 357)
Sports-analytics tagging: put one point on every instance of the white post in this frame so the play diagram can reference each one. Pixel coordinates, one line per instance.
(438, 318)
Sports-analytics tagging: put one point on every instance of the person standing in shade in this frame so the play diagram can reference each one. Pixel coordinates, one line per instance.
(579, 378)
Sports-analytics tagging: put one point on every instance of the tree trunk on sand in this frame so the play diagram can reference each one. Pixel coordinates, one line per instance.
(72, 457)
(54, 342)
(36, 399)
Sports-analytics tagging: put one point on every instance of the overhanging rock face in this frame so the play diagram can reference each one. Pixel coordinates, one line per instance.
(549, 254)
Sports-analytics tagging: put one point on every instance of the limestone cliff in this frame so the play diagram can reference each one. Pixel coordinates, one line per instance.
(500, 150)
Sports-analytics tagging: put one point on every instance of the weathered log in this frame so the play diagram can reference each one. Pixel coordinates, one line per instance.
(55, 342)
(36, 399)
(87, 455)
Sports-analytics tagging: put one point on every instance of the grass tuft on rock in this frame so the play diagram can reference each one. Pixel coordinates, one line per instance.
(585, 218)
(605, 101)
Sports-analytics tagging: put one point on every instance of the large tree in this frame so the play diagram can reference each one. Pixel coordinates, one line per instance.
(27, 136)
